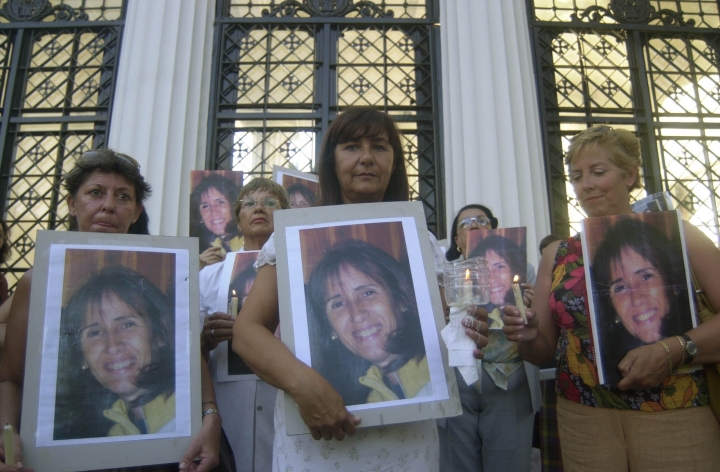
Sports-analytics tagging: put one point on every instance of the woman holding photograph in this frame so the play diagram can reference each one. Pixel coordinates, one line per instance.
(653, 419)
(646, 298)
(510, 388)
(212, 218)
(251, 402)
(117, 351)
(105, 195)
(365, 327)
(300, 196)
(361, 161)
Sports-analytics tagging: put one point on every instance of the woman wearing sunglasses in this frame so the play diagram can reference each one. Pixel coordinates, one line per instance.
(106, 192)
(510, 388)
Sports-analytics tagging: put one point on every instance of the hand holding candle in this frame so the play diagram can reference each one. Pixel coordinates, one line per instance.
(9, 445)
(518, 298)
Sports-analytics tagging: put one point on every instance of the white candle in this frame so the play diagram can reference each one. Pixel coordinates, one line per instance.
(518, 298)
(467, 288)
(9, 446)
(234, 305)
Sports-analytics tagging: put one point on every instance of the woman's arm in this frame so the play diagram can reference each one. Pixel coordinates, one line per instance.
(321, 407)
(4, 314)
(12, 367)
(647, 366)
(206, 443)
(537, 340)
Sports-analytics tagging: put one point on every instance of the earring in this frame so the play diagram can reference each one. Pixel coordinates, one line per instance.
(84, 366)
(333, 336)
(617, 320)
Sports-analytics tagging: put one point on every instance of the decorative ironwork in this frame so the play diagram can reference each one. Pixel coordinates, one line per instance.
(279, 81)
(60, 80)
(662, 84)
(38, 10)
(328, 8)
(632, 12)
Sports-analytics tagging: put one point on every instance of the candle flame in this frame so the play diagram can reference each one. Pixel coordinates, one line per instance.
(515, 279)
(467, 274)
(235, 294)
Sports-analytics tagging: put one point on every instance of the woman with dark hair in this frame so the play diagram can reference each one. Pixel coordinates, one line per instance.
(106, 192)
(116, 317)
(510, 388)
(300, 196)
(505, 260)
(211, 212)
(355, 275)
(644, 295)
(469, 217)
(361, 161)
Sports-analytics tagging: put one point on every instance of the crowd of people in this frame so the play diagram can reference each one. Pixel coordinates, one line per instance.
(364, 328)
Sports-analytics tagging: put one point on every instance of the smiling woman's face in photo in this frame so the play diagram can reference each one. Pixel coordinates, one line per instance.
(116, 345)
(215, 211)
(639, 296)
(500, 277)
(360, 312)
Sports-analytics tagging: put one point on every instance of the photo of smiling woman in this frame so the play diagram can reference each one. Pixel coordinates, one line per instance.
(211, 214)
(639, 284)
(365, 332)
(116, 367)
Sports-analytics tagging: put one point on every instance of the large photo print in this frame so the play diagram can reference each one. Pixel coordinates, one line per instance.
(639, 280)
(116, 317)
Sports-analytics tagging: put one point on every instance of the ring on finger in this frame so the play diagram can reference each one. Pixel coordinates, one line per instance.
(212, 332)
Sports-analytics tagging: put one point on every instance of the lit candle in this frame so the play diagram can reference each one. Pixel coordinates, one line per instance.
(234, 305)
(467, 288)
(9, 446)
(518, 298)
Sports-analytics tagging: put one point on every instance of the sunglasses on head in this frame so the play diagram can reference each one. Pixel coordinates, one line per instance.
(93, 154)
(479, 220)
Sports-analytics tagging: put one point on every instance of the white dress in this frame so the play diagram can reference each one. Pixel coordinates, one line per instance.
(405, 447)
(246, 405)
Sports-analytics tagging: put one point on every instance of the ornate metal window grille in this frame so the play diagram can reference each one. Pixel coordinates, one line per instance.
(283, 70)
(57, 77)
(648, 65)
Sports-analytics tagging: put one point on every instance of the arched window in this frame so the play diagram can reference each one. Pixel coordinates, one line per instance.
(647, 65)
(283, 70)
(57, 77)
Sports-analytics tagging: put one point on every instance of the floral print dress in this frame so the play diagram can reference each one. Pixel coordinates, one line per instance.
(577, 376)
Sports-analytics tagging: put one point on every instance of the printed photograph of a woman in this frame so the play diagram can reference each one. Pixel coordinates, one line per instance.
(211, 216)
(365, 331)
(639, 284)
(116, 366)
(241, 282)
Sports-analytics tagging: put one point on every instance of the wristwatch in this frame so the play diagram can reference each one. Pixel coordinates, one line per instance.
(690, 348)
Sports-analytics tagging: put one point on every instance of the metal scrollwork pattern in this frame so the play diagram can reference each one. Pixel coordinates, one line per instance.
(328, 8)
(632, 12)
(38, 10)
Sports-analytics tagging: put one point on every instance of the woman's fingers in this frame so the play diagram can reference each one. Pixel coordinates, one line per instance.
(643, 367)
(477, 328)
(515, 327)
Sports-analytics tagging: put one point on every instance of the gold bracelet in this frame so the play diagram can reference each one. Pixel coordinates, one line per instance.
(682, 349)
(667, 349)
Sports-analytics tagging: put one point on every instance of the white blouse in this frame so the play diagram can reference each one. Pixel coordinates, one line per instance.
(401, 447)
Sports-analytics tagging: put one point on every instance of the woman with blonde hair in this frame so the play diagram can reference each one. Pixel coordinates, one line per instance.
(654, 419)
